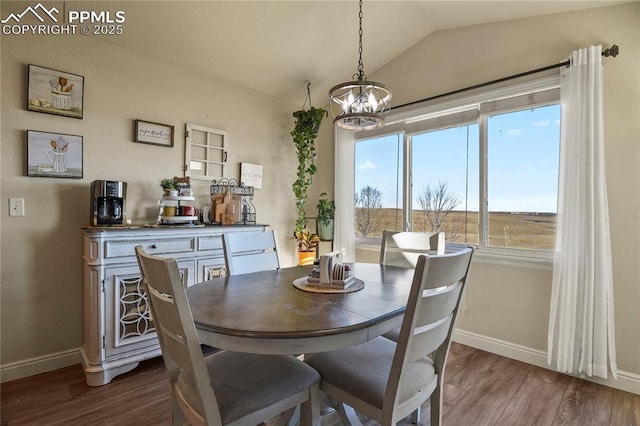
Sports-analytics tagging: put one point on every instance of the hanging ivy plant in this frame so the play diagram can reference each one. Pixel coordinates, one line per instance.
(305, 132)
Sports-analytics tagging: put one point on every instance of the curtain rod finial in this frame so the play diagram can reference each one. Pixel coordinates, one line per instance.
(611, 51)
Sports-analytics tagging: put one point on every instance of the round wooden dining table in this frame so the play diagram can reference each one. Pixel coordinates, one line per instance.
(263, 312)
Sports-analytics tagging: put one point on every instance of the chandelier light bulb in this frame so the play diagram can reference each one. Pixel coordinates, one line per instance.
(373, 102)
(350, 100)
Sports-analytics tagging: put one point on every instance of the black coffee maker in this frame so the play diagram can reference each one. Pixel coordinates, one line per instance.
(108, 198)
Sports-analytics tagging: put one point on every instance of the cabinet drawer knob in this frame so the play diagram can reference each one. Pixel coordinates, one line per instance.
(153, 246)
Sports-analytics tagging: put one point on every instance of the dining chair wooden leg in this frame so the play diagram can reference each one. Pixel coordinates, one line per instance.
(436, 405)
(177, 418)
(294, 419)
(310, 409)
(415, 416)
(348, 415)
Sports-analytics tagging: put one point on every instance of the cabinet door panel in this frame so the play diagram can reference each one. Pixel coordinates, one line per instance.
(209, 268)
(129, 325)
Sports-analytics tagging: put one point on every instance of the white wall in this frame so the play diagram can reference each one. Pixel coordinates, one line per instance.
(511, 304)
(41, 263)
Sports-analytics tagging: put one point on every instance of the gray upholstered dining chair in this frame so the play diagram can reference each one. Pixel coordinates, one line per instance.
(388, 381)
(403, 248)
(227, 388)
(253, 251)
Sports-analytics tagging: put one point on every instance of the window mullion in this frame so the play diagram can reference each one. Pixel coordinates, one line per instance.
(407, 184)
(207, 164)
(483, 214)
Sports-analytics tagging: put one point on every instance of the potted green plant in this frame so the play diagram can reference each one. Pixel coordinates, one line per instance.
(168, 185)
(307, 241)
(307, 244)
(304, 134)
(326, 213)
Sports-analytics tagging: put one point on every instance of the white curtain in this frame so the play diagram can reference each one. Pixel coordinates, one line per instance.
(581, 336)
(344, 230)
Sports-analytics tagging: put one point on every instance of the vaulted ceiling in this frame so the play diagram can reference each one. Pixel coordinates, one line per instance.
(276, 46)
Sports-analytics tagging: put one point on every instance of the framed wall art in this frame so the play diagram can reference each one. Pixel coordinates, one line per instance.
(55, 92)
(251, 175)
(54, 155)
(154, 133)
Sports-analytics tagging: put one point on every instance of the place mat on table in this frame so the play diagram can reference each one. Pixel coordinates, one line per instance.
(302, 284)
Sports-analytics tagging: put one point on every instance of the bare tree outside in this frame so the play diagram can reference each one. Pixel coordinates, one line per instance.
(436, 204)
(368, 206)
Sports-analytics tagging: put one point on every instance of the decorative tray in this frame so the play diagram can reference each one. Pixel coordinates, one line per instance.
(304, 284)
(179, 218)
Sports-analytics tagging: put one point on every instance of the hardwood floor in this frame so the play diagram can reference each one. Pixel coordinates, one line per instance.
(480, 389)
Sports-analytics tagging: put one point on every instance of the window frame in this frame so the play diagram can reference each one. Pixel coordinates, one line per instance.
(498, 100)
(209, 164)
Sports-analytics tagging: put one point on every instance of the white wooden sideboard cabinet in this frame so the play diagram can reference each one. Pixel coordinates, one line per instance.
(118, 329)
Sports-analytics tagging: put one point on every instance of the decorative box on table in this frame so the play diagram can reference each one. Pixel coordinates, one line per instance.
(331, 272)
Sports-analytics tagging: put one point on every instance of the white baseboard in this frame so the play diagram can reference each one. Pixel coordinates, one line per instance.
(43, 364)
(628, 382)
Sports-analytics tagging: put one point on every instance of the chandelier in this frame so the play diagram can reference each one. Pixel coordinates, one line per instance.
(359, 104)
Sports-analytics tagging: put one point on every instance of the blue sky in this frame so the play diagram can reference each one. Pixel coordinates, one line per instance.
(522, 162)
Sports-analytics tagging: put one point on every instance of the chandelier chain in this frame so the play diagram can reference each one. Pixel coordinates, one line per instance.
(361, 75)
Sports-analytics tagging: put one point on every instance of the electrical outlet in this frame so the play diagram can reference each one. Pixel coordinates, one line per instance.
(16, 206)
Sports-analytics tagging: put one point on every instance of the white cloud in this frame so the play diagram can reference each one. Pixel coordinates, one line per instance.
(367, 165)
(514, 132)
(557, 122)
(541, 123)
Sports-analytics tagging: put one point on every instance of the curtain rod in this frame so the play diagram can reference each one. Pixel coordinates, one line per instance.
(611, 51)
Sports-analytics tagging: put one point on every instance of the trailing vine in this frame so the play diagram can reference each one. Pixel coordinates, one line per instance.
(305, 131)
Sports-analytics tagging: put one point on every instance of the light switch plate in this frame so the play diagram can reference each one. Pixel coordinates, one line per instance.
(16, 206)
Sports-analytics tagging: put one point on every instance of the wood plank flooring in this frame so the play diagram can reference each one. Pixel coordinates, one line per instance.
(480, 389)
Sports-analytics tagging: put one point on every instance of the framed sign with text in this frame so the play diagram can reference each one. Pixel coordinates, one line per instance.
(251, 175)
(154, 133)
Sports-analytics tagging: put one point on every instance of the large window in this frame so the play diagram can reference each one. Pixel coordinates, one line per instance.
(484, 173)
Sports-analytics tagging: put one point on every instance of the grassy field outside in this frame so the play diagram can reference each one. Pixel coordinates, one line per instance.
(535, 231)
